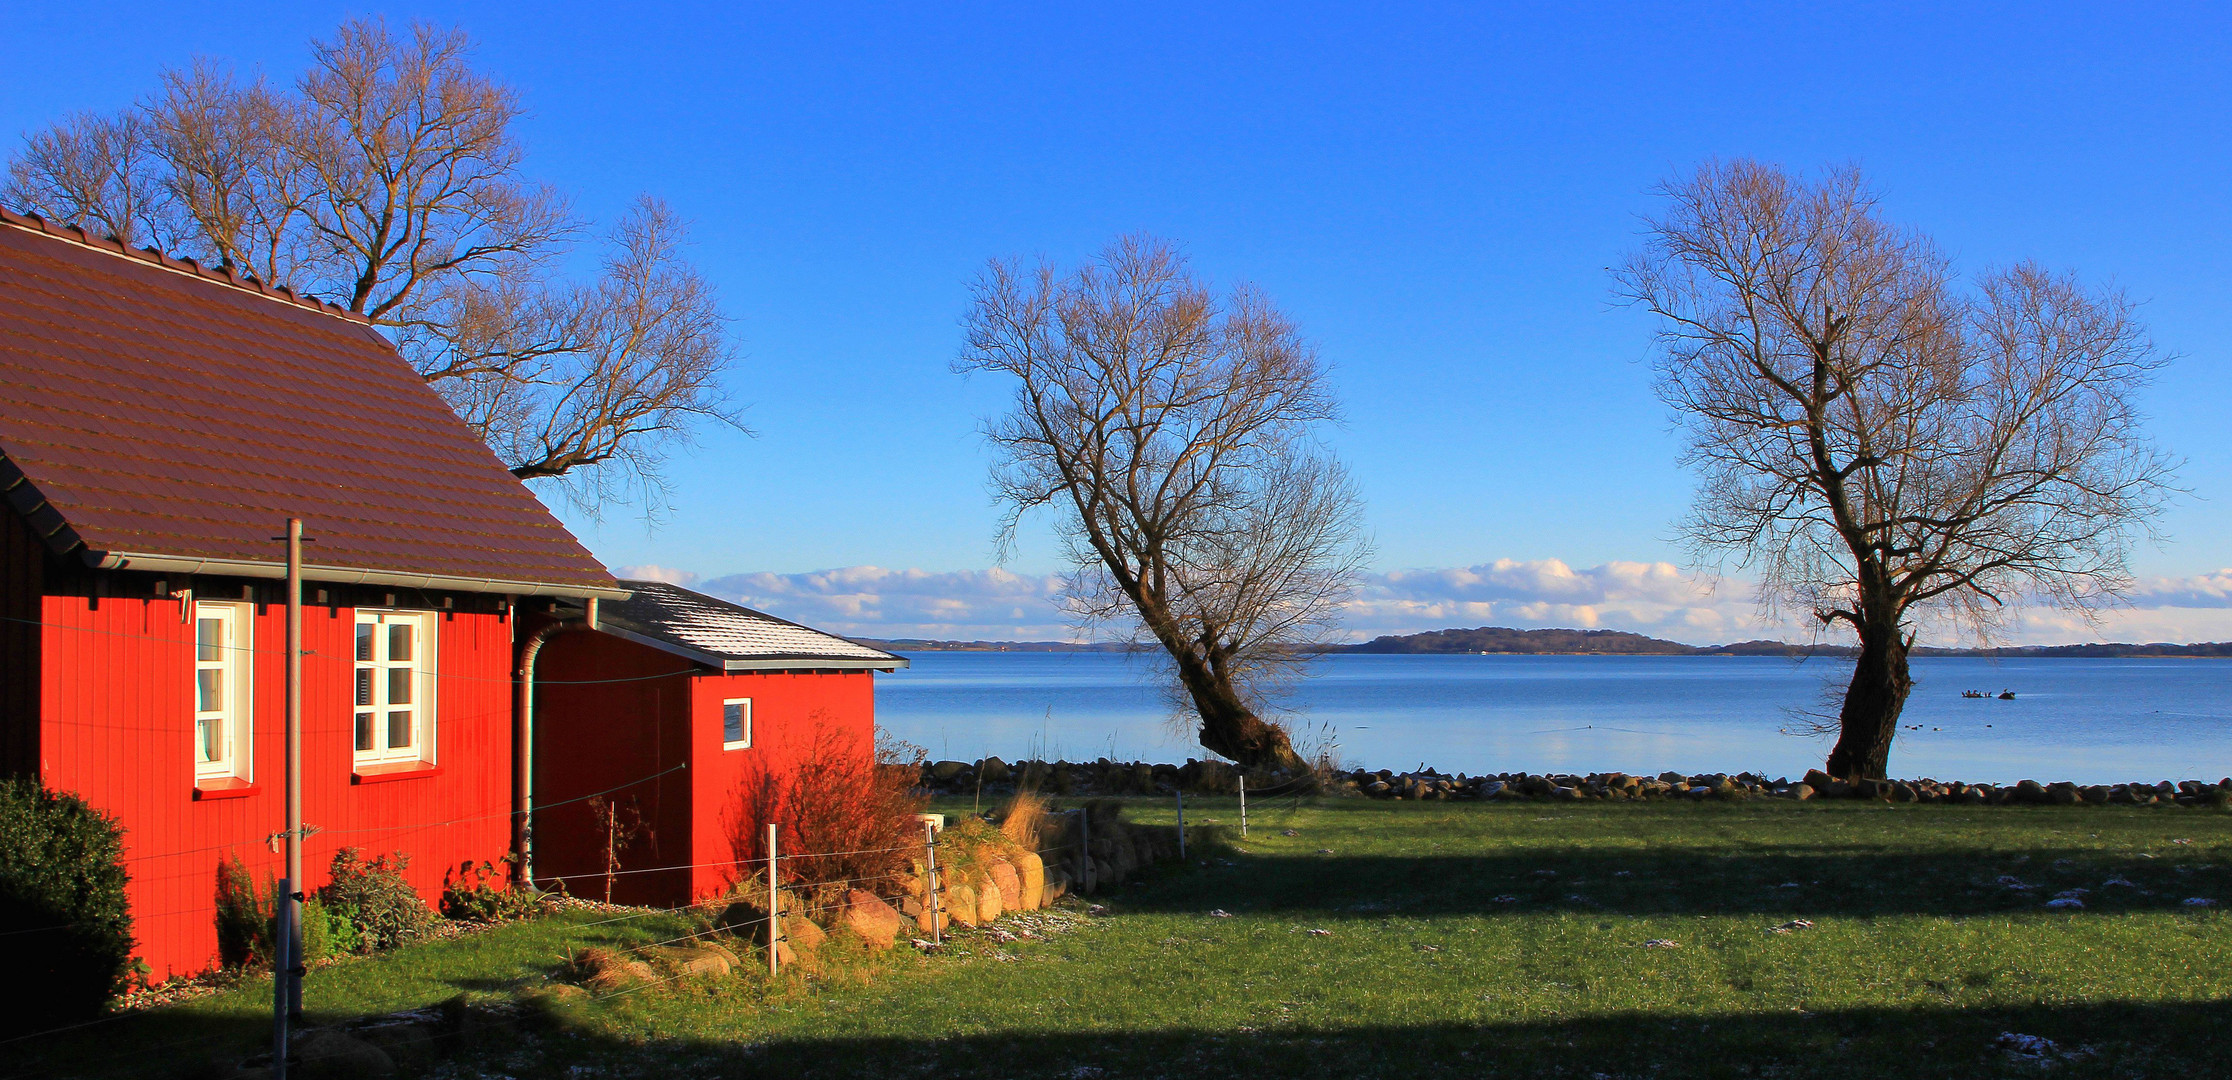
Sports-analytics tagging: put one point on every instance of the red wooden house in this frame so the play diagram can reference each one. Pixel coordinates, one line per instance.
(159, 423)
(670, 715)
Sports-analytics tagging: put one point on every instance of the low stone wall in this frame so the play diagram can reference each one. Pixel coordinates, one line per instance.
(1815, 785)
(1102, 777)
(993, 776)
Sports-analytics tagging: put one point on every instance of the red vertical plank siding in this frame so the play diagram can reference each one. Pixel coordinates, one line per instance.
(612, 714)
(612, 718)
(117, 728)
(787, 710)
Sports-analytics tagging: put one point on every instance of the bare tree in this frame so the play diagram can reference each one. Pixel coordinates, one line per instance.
(1170, 430)
(99, 171)
(612, 372)
(1879, 445)
(389, 179)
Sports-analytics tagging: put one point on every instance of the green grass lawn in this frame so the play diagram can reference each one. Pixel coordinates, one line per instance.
(1467, 939)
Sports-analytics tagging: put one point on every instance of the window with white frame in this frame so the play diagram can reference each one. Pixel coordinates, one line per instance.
(394, 687)
(736, 724)
(224, 670)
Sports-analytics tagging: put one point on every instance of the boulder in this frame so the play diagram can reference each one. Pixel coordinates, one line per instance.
(692, 959)
(994, 771)
(802, 933)
(945, 771)
(989, 906)
(1032, 870)
(1009, 882)
(869, 917)
(959, 903)
(335, 1054)
(604, 970)
(412, 1041)
(1801, 791)
(746, 912)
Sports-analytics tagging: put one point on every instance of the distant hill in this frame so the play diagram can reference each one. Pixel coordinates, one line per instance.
(1504, 639)
(933, 645)
(1510, 641)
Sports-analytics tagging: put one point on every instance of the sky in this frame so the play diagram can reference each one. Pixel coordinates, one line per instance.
(1433, 193)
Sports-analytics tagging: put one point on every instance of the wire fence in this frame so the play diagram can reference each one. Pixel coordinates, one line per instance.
(924, 876)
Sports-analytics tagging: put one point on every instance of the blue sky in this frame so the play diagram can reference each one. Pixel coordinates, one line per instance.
(1434, 193)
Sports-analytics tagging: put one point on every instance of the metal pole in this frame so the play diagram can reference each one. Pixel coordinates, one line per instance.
(291, 907)
(774, 909)
(279, 965)
(1243, 806)
(1181, 826)
(937, 918)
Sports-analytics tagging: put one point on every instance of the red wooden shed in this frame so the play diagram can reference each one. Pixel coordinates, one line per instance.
(671, 713)
(159, 424)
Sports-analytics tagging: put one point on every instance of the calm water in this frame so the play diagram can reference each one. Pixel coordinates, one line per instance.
(2092, 721)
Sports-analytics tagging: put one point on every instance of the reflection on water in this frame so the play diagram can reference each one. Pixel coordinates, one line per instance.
(2092, 721)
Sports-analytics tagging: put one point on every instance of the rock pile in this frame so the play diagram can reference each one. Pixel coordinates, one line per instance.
(1102, 777)
(1615, 786)
(1106, 777)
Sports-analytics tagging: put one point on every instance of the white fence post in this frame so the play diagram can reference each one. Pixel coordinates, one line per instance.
(774, 909)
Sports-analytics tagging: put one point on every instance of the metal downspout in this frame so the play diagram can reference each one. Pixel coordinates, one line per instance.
(523, 739)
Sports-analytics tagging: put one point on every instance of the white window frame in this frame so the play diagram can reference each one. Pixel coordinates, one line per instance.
(235, 664)
(744, 743)
(372, 676)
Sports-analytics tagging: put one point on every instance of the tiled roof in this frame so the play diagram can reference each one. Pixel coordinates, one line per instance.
(161, 415)
(728, 636)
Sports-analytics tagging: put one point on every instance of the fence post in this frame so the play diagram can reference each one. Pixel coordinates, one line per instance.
(937, 919)
(774, 909)
(1243, 806)
(280, 962)
(1181, 826)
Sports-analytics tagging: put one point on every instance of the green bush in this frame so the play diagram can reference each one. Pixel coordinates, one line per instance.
(62, 906)
(244, 915)
(480, 892)
(372, 897)
(247, 921)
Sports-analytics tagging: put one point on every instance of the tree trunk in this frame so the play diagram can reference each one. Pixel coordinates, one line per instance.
(1228, 726)
(1872, 705)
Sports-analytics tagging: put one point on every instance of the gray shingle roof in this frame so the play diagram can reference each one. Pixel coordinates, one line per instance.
(729, 636)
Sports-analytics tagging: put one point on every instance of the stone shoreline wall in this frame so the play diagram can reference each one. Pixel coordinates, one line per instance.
(992, 776)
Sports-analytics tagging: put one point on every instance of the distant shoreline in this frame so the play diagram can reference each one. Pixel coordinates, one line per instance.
(1507, 641)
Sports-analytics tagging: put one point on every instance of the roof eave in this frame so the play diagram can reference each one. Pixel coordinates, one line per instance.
(344, 575)
(720, 662)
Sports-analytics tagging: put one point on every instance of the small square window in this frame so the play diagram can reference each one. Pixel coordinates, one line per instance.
(736, 724)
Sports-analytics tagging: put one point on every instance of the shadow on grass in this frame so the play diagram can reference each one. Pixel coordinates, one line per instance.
(2180, 1040)
(2122, 1040)
(1802, 882)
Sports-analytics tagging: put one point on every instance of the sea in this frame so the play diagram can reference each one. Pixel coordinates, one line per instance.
(2086, 720)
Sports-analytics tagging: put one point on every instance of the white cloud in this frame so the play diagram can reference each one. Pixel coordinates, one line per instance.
(655, 572)
(870, 601)
(1655, 598)
(2199, 591)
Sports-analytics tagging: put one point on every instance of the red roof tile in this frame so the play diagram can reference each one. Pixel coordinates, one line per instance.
(152, 407)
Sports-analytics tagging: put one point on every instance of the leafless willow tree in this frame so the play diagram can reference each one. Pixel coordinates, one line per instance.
(389, 179)
(1879, 444)
(1170, 430)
